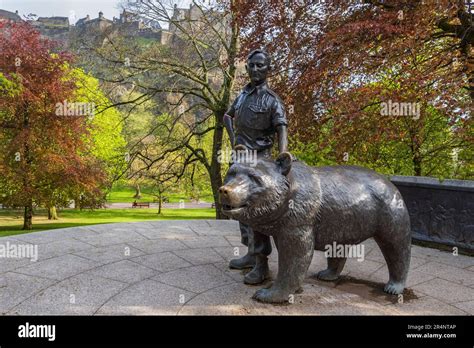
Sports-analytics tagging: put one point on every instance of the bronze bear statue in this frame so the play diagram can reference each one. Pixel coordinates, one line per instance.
(307, 208)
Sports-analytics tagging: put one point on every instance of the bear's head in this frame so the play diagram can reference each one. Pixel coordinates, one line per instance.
(256, 192)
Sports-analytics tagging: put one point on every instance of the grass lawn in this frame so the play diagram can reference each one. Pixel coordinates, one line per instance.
(124, 194)
(11, 221)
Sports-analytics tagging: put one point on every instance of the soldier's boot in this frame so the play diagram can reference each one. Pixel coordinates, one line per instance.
(260, 272)
(246, 261)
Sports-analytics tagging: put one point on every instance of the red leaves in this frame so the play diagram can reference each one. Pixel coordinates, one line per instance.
(52, 152)
(339, 59)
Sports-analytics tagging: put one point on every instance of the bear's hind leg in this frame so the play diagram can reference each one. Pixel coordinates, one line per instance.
(397, 255)
(335, 266)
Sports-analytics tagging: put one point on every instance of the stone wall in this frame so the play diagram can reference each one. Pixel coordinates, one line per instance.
(440, 212)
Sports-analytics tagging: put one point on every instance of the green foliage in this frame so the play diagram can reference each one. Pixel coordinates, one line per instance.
(389, 144)
(310, 153)
(196, 179)
(106, 126)
(9, 87)
(139, 122)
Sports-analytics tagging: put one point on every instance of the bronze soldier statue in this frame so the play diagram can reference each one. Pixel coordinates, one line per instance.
(253, 120)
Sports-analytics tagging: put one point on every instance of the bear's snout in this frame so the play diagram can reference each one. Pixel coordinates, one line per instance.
(226, 194)
(224, 191)
(231, 196)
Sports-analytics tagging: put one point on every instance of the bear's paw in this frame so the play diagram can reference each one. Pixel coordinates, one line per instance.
(271, 295)
(394, 288)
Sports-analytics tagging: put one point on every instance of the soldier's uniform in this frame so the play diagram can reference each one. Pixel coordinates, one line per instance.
(256, 114)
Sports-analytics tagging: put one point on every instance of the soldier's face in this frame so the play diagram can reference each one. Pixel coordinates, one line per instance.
(257, 68)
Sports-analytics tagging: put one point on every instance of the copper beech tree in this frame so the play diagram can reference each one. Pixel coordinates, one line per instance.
(339, 63)
(44, 154)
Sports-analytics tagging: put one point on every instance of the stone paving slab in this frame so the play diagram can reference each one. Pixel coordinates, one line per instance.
(209, 241)
(162, 262)
(446, 291)
(123, 271)
(112, 253)
(82, 294)
(58, 268)
(61, 247)
(13, 290)
(197, 279)
(158, 245)
(199, 256)
(10, 264)
(181, 268)
(147, 297)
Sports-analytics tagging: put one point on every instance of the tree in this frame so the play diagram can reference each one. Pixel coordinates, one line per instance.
(44, 158)
(160, 176)
(160, 179)
(194, 75)
(106, 140)
(338, 61)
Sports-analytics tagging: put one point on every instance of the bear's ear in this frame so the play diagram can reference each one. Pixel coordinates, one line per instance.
(283, 161)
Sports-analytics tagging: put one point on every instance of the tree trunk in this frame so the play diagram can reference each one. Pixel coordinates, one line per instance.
(470, 71)
(138, 193)
(160, 200)
(28, 216)
(415, 153)
(215, 170)
(416, 160)
(52, 213)
(417, 165)
(216, 167)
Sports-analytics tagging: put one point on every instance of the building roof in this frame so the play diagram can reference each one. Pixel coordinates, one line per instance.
(81, 21)
(54, 21)
(99, 20)
(87, 20)
(10, 15)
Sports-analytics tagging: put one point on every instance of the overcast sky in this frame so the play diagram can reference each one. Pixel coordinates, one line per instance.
(68, 8)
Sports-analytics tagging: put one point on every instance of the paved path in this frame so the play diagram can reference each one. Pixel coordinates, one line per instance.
(180, 267)
(185, 205)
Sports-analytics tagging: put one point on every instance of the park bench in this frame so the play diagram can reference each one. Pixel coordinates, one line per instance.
(140, 204)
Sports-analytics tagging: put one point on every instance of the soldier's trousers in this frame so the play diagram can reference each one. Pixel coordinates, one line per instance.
(257, 243)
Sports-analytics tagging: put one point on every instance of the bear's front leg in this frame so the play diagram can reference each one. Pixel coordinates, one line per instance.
(271, 295)
(295, 253)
